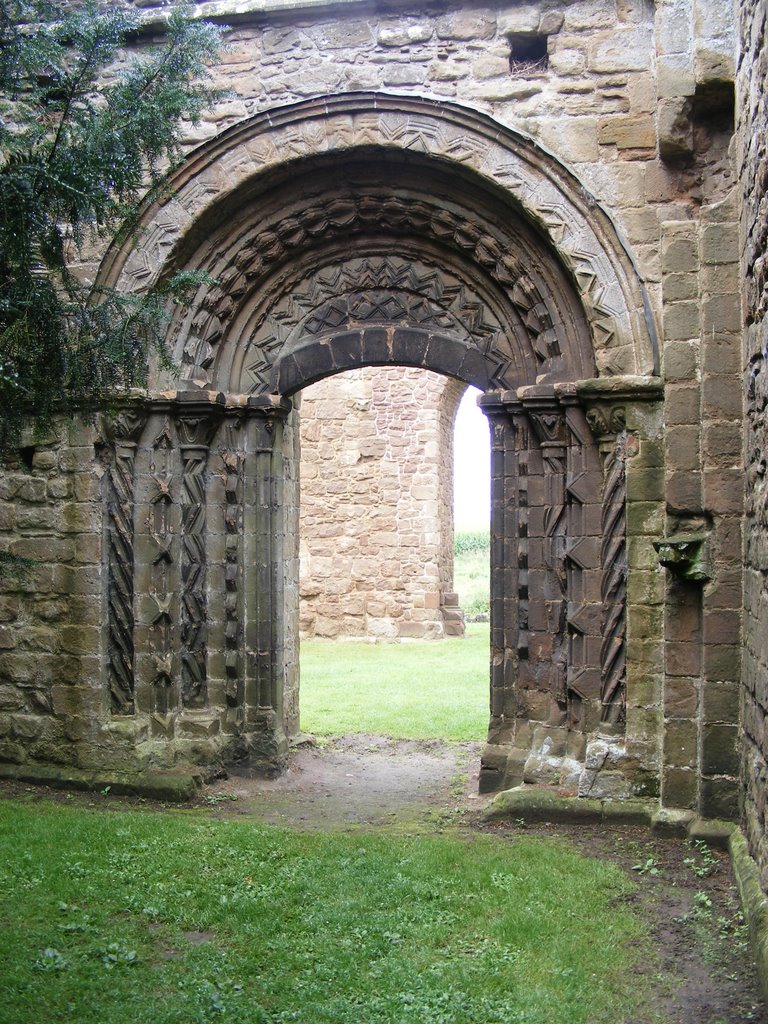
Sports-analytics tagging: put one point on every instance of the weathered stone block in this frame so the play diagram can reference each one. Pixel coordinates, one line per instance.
(465, 25)
(679, 787)
(627, 133)
(720, 754)
(720, 703)
(681, 697)
(720, 243)
(681, 321)
(722, 662)
(404, 32)
(681, 743)
(679, 251)
(624, 50)
(675, 129)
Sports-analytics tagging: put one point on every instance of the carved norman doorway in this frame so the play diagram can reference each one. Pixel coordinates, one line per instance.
(407, 236)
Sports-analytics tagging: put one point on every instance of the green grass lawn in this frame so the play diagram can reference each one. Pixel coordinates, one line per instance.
(417, 690)
(124, 918)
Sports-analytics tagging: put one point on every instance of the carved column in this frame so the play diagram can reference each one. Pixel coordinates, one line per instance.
(583, 484)
(162, 558)
(263, 538)
(196, 422)
(548, 531)
(609, 424)
(122, 429)
(505, 575)
(232, 458)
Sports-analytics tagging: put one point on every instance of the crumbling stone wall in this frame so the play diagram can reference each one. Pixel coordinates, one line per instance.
(376, 505)
(753, 158)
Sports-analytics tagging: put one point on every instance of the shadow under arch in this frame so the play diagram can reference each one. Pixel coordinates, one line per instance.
(370, 229)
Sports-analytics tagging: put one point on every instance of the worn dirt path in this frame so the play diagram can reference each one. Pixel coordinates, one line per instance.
(360, 781)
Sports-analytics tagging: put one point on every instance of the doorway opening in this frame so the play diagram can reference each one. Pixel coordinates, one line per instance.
(385, 649)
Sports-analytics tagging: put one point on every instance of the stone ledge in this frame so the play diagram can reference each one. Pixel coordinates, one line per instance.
(170, 786)
(534, 804)
(753, 903)
(231, 12)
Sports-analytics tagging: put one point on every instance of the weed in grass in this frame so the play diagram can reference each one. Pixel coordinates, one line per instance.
(117, 955)
(701, 901)
(219, 798)
(704, 862)
(50, 959)
(647, 867)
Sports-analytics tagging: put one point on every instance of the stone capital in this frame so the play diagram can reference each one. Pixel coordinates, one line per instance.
(123, 425)
(197, 415)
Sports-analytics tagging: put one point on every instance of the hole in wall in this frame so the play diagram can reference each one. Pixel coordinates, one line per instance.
(528, 53)
(27, 455)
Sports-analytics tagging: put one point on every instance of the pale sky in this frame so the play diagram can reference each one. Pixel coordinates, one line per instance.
(471, 466)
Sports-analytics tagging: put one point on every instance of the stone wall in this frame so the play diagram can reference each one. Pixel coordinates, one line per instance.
(753, 166)
(376, 505)
(51, 612)
(573, 215)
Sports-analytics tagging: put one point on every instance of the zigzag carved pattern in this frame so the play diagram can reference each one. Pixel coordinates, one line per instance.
(232, 463)
(257, 254)
(194, 605)
(394, 291)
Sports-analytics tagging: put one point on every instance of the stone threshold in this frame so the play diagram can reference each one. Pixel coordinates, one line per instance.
(541, 803)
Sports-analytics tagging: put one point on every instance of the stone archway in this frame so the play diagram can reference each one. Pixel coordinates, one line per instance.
(361, 231)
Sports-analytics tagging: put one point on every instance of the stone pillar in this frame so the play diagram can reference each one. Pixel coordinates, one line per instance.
(583, 485)
(508, 579)
(625, 414)
(157, 573)
(122, 430)
(547, 532)
(231, 458)
(263, 581)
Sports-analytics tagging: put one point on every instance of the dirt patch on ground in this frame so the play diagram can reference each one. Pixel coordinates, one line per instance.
(359, 781)
(701, 968)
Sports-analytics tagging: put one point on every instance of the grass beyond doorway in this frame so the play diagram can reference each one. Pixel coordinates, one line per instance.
(472, 571)
(418, 690)
(175, 918)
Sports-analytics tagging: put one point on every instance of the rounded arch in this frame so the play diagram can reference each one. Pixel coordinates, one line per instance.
(377, 228)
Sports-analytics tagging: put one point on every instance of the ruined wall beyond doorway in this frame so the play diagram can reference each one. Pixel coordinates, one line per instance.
(376, 520)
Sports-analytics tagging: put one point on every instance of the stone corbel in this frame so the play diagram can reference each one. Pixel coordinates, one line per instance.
(546, 416)
(686, 555)
(197, 415)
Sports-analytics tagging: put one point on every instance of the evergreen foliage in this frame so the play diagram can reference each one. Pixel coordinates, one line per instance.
(76, 157)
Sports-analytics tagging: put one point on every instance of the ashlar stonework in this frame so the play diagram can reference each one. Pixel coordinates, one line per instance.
(393, 188)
